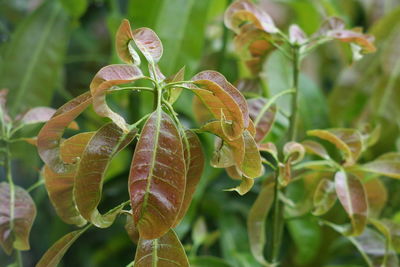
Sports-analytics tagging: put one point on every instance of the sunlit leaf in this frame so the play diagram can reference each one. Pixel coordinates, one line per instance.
(257, 218)
(194, 169)
(60, 185)
(49, 137)
(15, 219)
(54, 254)
(244, 187)
(349, 141)
(164, 251)
(352, 196)
(263, 119)
(156, 186)
(376, 196)
(96, 157)
(175, 92)
(315, 148)
(124, 50)
(324, 197)
(244, 11)
(106, 78)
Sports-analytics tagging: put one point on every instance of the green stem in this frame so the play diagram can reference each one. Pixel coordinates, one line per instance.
(18, 257)
(277, 223)
(295, 100)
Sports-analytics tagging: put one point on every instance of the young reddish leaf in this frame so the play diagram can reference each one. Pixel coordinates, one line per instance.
(124, 50)
(50, 135)
(219, 79)
(244, 11)
(131, 230)
(37, 115)
(263, 121)
(293, 152)
(349, 141)
(96, 157)
(106, 78)
(377, 196)
(164, 251)
(222, 105)
(16, 221)
(156, 186)
(60, 185)
(149, 44)
(297, 35)
(195, 160)
(331, 24)
(257, 218)
(222, 156)
(315, 148)
(270, 148)
(383, 166)
(201, 113)
(352, 196)
(156, 74)
(324, 197)
(54, 254)
(244, 187)
(175, 92)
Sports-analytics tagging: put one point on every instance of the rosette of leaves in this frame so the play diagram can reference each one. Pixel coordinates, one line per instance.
(256, 36)
(168, 159)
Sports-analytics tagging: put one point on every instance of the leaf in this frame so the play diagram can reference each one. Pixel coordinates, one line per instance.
(244, 11)
(244, 187)
(31, 66)
(349, 141)
(208, 261)
(156, 187)
(352, 196)
(293, 152)
(175, 92)
(263, 121)
(131, 230)
(164, 251)
(199, 232)
(200, 112)
(149, 44)
(382, 166)
(195, 160)
(222, 105)
(257, 218)
(377, 196)
(15, 219)
(124, 50)
(297, 35)
(54, 254)
(315, 148)
(60, 186)
(234, 173)
(49, 137)
(324, 197)
(37, 115)
(96, 157)
(76, 8)
(104, 79)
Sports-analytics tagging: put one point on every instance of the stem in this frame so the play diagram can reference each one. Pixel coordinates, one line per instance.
(18, 257)
(295, 100)
(277, 223)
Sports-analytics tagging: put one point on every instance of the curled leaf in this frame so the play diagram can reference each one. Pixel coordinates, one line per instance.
(50, 135)
(149, 44)
(263, 119)
(156, 186)
(16, 220)
(349, 141)
(96, 157)
(60, 185)
(122, 39)
(104, 79)
(222, 155)
(293, 152)
(164, 251)
(352, 196)
(234, 172)
(201, 113)
(324, 197)
(244, 187)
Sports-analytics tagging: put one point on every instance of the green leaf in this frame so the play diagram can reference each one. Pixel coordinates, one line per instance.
(54, 254)
(156, 186)
(164, 251)
(60, 185)
(49, 137)
(104, 79)
(76, 8)
(199, 232)
(175, 92)
(324, 197)
(348, 141)
(207, 261)
(244, 187)
(195, 160)
(293, 152)
(90, 173)
(352, 196)
(257, 218)
(16, 218)
(31, 66)
(263, 122)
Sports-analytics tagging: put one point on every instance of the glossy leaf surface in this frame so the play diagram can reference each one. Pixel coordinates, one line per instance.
(16, 221)
(351, 194)
(156, 186)
(164, 251)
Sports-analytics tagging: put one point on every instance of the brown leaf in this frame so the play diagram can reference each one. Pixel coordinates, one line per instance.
(49, 137)
(16, 222)
(149, 44)
(131, 229)
(157, 176)
(200, 112)
(124, 50)
(164, 251)
(377, 196)
(37, 115)
(263, 120)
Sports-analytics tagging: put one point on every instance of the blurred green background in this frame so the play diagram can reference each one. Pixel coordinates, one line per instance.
(51, 49)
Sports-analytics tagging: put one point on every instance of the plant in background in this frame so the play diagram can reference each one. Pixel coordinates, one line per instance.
(168, 159)
(336, 175)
